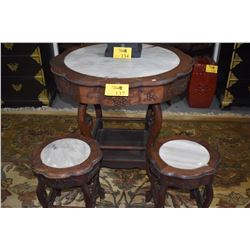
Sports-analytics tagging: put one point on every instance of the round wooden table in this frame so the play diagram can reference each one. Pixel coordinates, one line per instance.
(160, 74)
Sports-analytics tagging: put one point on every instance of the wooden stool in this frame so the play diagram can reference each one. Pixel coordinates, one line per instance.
(66, 162)
(182, 162)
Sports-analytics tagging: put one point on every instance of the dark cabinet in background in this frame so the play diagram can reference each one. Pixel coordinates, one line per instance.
(26, 79)
(233, 88)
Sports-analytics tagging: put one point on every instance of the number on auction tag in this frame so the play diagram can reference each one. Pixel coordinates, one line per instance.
(122, 52)
(211, 68)
(116, 89)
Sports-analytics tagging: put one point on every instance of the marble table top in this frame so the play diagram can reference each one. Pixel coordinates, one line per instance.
(184, 154)
(91, 61)
(64, 153)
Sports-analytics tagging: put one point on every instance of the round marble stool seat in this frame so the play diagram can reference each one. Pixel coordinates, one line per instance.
(185, 163)
(67, 162)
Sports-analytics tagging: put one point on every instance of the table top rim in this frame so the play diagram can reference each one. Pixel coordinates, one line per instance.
(59, 68)
(84, 167)
(171, 171)
(90, 60)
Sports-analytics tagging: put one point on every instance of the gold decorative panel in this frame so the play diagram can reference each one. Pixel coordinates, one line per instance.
(40, 77)
(228, 97)
(17, 86)
(235, 63)
(36, 55)
(8, 46)
(43, 97)
(231, 77)
(13, 66)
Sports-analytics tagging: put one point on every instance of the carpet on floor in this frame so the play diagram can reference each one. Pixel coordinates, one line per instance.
(124, 188)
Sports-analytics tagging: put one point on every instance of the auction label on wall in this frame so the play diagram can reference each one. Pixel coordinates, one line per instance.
(211, 68)
(116, 89)
(122, 52)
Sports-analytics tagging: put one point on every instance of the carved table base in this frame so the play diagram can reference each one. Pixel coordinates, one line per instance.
(122, 148)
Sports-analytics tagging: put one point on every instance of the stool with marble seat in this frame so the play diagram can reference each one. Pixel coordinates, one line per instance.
(183, 163)
(67, 162)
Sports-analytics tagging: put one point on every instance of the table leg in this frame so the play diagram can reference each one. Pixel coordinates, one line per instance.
(149, 194)
(148, 122)
(155, 116)
(159, 196)
(99, 120)
(41, 193)
(98, 112)
(88, 197)
(153, 124)
(208, 195)
(84, 121)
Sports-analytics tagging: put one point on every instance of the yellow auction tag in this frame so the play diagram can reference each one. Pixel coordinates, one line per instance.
(116, 89)
(211, 68)
(122, 52)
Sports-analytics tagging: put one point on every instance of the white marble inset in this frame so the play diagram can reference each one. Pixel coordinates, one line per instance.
(65, 153)
(91, 61)
(184, 154)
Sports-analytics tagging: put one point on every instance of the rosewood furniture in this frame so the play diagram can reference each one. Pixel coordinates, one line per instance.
(67, 162)
(184, 163)
(160, 74)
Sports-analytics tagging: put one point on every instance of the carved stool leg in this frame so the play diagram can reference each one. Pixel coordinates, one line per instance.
(88, 197)
(41, 193)
(149, 195)
(97, 190)
(195, 194)
(52, 196)
(101, 191)
(208, 192)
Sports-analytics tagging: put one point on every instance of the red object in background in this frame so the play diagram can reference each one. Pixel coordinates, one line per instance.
(202, 84)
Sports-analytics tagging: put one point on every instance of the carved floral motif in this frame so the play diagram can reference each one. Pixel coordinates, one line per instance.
(151, 96)
(120, 101)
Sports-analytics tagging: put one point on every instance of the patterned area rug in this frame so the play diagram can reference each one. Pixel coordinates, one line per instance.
(124, 188)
